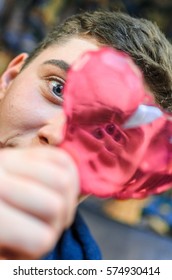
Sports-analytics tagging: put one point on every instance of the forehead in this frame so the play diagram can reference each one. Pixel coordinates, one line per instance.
(68, 51)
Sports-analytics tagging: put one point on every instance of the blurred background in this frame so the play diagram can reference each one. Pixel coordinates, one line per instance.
(132, 229)
(23, 23)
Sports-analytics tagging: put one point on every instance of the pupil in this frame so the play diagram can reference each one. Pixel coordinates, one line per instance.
(58, 89)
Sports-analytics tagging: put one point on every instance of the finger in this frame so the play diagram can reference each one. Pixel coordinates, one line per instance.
(32, 197)
(25, 234)
(43, 171)
(52, 154)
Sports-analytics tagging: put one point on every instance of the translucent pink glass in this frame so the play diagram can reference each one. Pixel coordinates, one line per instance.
(120, 140)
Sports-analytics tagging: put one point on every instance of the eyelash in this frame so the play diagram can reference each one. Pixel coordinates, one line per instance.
(53, 97)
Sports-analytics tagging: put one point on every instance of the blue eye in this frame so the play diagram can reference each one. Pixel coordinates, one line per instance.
(56, 88)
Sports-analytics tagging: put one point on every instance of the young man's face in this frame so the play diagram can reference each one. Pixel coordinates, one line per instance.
(31, 102)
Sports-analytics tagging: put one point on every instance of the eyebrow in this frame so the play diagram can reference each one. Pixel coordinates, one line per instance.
(59, 63)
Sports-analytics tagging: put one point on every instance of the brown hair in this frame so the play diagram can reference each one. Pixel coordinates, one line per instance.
(140, 38)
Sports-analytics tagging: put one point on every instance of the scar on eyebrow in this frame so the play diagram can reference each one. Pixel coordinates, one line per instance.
(59, 63)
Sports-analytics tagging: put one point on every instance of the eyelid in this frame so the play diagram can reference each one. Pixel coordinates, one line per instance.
(58, 79)
(52, 97)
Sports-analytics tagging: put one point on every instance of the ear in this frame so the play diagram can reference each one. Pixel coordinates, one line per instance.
(12, 71)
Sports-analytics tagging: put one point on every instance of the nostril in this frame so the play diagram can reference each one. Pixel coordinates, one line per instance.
(43, 140)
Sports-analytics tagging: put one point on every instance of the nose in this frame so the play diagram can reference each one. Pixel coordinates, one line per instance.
(52, 132)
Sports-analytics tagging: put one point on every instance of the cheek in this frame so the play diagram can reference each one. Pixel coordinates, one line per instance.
(22, 109)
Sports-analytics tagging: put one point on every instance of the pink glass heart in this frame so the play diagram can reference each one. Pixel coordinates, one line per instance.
(104, 90)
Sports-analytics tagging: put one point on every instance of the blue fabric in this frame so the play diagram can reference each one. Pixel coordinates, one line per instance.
(76, 243)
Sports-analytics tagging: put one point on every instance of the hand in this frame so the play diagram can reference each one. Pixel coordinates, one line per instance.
(38, 196)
